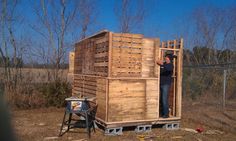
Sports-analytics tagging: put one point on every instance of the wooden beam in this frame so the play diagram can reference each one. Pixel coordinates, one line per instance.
(135, 78)
(169, 49)
(156, 56)
(174, 89)
(107, 99)
(179, 80)
(110, 54)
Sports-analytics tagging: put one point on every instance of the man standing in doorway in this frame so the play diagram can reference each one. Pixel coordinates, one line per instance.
(166, 71)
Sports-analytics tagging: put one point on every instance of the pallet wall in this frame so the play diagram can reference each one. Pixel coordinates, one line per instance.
(132, 99)
(110, 54)
(91, 56)
(120, 70)
(92, 86)
(126, 60)
(150, 50)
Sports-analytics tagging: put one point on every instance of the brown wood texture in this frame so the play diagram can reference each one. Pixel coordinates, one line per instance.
(91, 55)
(152, 99)
(126, 57)
(148, 57)
(179, 79)
(90, 86)
(157, 56)
(120, 70)
(126, 100)
(71, 62)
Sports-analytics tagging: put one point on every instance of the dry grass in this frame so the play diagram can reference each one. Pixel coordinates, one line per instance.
(39, 124)
(35, 75)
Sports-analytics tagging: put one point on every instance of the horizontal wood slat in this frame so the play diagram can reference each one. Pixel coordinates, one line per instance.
(120, 70)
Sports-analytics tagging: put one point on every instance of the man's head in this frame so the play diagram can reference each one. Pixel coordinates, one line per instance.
(169, 58)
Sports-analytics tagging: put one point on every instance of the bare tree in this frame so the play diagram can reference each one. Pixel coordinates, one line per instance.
(130, 14)
(214, 29)
(208, 23)
(229, 32)
(86, 15)
(10, 50)
(57, 20)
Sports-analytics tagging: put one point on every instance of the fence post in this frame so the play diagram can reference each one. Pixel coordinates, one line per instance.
(224, 88)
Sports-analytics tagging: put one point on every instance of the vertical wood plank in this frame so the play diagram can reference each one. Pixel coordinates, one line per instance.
(179, 80)
(107, 99)
(174, 89)
(156, 56)
(110, 54)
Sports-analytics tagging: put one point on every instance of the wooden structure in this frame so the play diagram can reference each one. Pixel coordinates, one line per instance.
(119, 69)
(71, 62)
(70, 75)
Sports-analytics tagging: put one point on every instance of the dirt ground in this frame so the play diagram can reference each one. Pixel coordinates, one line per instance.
(217, 125)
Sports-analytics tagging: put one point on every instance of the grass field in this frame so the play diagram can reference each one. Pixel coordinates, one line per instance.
(44, 123)
(36, 75)
(218, 125)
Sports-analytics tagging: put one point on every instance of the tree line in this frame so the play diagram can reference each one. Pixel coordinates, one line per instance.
(43, 35)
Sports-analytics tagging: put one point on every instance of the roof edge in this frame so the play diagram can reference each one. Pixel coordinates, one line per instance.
(100, 32)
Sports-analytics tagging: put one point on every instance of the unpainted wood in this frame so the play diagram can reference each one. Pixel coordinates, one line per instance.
(71, 61)
(101, 98)
(126, 100)
(157, 56)
(148, 58)
(152, 99)
(179, 80)
(121, 71)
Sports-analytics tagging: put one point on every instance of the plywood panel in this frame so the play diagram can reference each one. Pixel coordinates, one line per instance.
(157, 57)
(126, 100)
(101, 98)
(148, 58)
(152, 99)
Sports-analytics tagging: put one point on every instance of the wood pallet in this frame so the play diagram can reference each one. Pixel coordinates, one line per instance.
(91, 56)
(126, 55)
(120, 99)
(109, 54)
(120, 70)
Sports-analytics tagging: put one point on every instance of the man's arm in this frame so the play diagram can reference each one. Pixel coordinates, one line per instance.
(159, 62)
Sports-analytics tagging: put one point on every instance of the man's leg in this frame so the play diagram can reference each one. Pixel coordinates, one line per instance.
(165, 104)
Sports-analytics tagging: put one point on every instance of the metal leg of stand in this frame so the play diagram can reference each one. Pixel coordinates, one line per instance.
(62, 124)
(69, 121)
(87, 124)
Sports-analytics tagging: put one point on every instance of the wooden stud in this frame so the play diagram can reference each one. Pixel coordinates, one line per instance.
(107, 100)
(110, 54)
(179, 81)
(118, 61)
(156, 56)
(174, 77)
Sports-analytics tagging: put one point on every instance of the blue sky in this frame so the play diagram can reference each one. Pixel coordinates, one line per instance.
(164, 16)
(165, 19)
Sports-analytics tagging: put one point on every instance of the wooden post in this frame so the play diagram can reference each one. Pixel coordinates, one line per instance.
(107, 99)
(224, 88)
(174, 85)
(179, 81)
(156, 56)
(110, 55)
